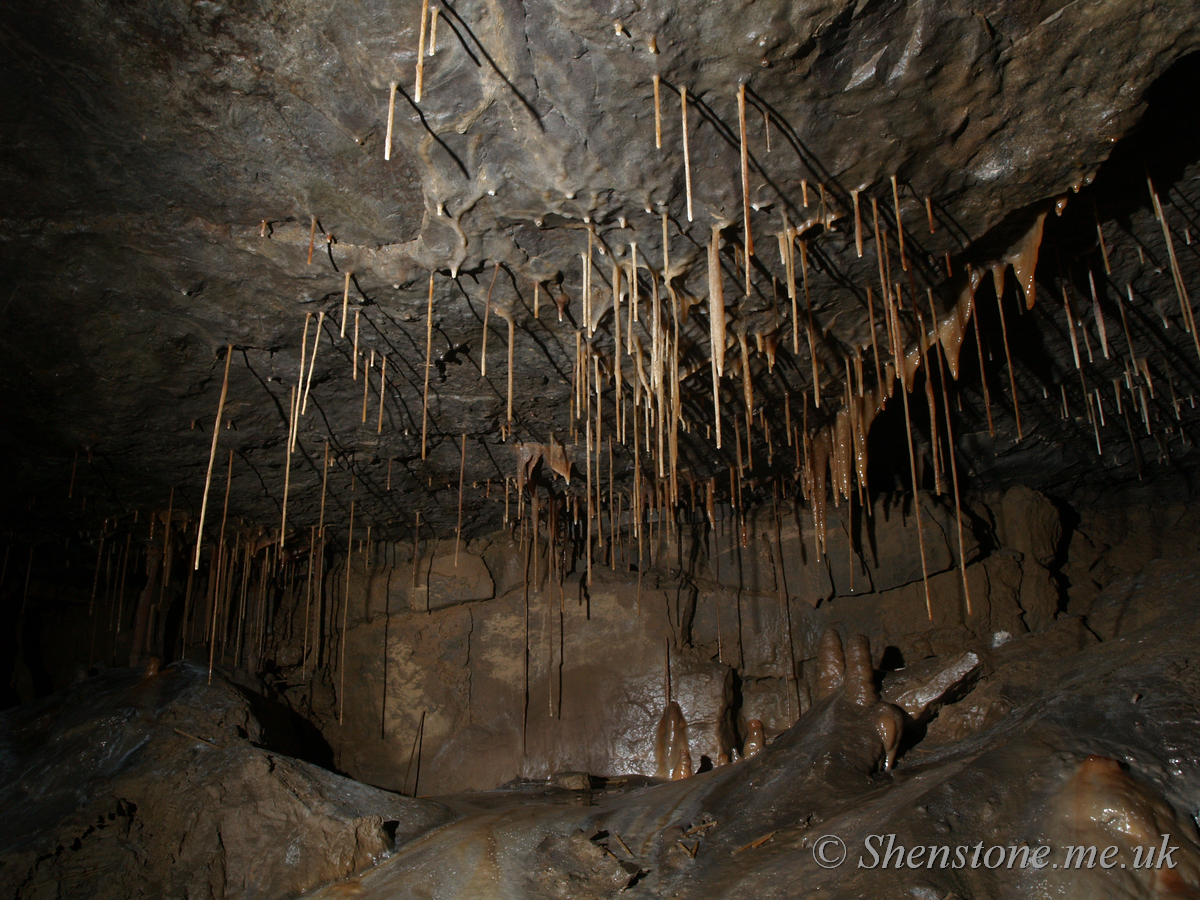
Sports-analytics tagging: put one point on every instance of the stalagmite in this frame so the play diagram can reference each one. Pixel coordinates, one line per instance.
(387, 145)
(428, 362)
(831, 664)
(212, 455)
(421, 51)
(860, 672)
(687, 159)
(312, 361)
(345, 302)
(657, 115)
(382, 385)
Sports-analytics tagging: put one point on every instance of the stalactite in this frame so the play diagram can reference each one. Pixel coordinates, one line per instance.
(657, 114)
(387, 144)
(899, 224)
(368, 364)
(1012, 381)
(748, 237)
(312, 361)
(382, 385)
(421, 51)
(212, 455)
(687, 158)
(428, 364)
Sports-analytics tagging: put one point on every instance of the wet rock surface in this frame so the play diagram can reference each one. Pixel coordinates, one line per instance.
(1095, 748)
(133, 785)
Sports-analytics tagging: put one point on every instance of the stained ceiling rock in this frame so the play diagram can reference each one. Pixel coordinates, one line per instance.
(184, 176)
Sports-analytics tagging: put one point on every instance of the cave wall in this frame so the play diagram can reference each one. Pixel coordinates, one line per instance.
(434, 654)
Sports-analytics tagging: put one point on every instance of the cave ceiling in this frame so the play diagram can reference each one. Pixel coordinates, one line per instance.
(180, 178)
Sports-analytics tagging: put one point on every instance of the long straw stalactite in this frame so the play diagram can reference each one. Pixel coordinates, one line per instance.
(212, 454)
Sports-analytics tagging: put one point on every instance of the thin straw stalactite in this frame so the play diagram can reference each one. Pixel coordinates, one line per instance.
(212, 455)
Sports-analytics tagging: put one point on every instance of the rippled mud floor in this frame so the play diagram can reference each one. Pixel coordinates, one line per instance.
(1083, 735)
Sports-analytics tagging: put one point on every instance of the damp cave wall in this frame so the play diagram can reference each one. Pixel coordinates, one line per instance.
(429, 691)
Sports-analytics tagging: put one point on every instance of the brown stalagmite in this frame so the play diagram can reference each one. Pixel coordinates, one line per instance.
(1012, 381)
(387, 145)
(212, 454)
(831, 663)
(345, 620)
(312, 361)
(421, 51)
(657, 115)
(345, 302)
(428, 362)
(687, 159)
(860, 672)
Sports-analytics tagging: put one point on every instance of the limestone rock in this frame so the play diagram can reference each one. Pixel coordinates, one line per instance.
(921, 688)
(1030, 523)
